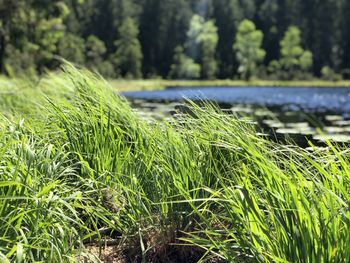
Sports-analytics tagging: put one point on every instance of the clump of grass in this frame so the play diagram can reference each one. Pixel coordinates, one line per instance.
(37, 209)
(274, 203)
(86, 163)
(43, 200)
(144, 169)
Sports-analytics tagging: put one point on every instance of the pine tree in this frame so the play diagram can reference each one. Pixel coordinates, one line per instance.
(183, 67)
(95, 51)
(33, 29)
(128, 53)
(227, 15)
(72, 48)
(248, 49)
(208, 40)
(294, 59)
(163, 26)
(202, 39)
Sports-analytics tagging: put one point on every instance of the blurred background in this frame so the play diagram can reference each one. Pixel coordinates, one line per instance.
(203, 48)
(179, 39)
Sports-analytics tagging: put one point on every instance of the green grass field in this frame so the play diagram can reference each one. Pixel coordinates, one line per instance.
(79, 171)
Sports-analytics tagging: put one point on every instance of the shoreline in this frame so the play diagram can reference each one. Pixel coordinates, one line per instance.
(155, 84)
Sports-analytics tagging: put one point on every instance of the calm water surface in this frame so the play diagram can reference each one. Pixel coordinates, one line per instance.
(336, 100)
(300, 113)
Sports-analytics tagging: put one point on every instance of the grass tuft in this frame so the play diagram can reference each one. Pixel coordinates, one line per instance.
(78, 168)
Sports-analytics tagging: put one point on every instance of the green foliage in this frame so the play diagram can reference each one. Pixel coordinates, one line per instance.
(33, 30)
(83, 164)
(34, 33)
(107, 69)
(328, 74)
(294, 59)
(291, 50)
(128, 53)
(209, 40)
(193, 37)
(96, 57)
(248, 50)
(201, 45)
(170, 22)
(95, 51)
(19, 63)
(184, 67)
(72, 48)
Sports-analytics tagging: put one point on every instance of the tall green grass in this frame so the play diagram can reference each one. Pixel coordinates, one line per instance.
(79, 161)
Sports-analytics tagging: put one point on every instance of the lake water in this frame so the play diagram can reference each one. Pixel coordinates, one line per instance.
(300, 113)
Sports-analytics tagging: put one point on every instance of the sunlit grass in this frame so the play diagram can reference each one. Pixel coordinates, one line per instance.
(159, 84)
(75, 160)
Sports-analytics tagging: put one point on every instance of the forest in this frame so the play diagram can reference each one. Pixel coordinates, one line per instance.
(178, 39)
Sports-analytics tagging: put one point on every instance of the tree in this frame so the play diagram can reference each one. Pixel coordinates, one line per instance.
(72, 48)
(294, 59)
(345, 38)
(208, 40)
(160, 22)
(97, 58)
(128, 53)
(329, 74)
(33, 32)
(324, 35)
(183, 67)
(247, 48)
(193, 42)
(95, 51)
(227, 15)
(267, 21)
(202, 40)
(32, 28)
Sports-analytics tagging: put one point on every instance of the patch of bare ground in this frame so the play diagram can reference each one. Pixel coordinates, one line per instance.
(150, 245)
(112, 252)
(107, 254)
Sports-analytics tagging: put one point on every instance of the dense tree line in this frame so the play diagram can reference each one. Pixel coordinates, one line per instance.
(205, 39)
